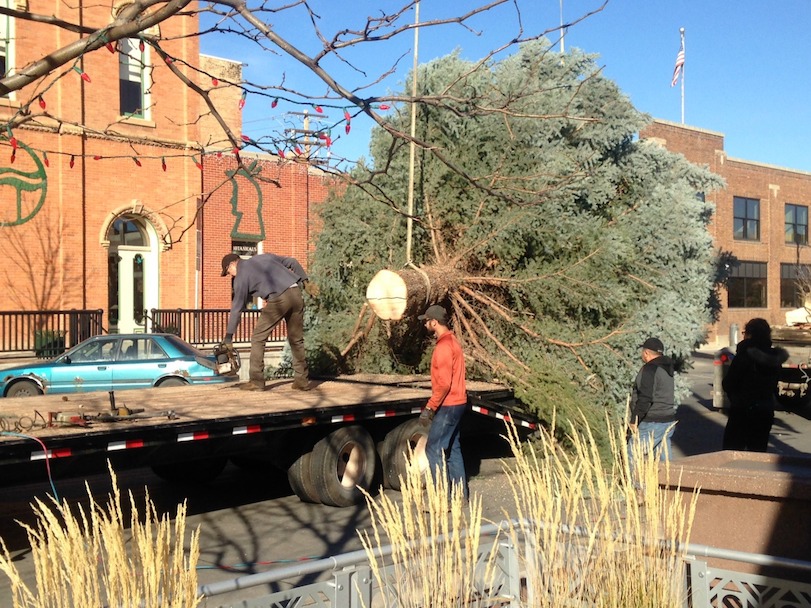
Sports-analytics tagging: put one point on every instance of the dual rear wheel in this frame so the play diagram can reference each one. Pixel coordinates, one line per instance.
(338, 469)
(344, 463)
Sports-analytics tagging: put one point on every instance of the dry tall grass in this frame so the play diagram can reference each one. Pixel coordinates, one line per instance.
(86, 559)
(629, 544)
(427, 573)
(588, 536)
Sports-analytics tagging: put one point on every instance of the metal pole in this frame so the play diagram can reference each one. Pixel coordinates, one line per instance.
(413, 146)
(683, 66)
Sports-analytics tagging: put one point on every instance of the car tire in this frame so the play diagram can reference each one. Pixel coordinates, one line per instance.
(24, 388)
(341, 463)
(170, 382)
(405, 441)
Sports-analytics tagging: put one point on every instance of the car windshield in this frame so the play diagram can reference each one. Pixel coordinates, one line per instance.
(184, 347)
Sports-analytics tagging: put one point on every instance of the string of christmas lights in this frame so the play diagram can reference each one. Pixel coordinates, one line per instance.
(290, 144)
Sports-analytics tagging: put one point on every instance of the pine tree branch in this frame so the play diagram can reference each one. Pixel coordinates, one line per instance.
(361, 335)
(479, 321)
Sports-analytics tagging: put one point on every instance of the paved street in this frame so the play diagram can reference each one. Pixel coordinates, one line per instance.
(250, 522)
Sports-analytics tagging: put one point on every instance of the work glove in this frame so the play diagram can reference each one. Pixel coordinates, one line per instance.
(311, 289)
(426, 416)
(227, 342)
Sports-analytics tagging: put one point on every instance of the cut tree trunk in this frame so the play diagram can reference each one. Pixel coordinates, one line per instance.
(408, 292)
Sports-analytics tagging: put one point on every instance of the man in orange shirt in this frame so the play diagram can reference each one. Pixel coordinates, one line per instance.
(448, 401)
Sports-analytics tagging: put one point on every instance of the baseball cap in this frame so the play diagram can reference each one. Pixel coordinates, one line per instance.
(435, 312)
(226, 262)
(654, 344)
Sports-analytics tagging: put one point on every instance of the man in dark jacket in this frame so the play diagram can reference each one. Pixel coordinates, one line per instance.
(653, 410)
(277, 280)
(751, 384)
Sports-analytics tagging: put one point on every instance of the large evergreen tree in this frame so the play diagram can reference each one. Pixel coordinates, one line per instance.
(556, 239)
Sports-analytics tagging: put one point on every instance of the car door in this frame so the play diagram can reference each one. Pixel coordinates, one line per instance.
(141, 361)
(88, 367)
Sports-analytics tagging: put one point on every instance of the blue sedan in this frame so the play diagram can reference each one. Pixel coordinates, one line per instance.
(115, 362)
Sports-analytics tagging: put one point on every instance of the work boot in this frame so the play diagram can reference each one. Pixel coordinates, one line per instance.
(301, 385)
(252, 386)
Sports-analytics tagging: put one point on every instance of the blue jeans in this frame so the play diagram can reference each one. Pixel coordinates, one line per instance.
(652, 436)
(442, 448)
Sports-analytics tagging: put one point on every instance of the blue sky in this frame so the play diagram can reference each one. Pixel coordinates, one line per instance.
(747, 68)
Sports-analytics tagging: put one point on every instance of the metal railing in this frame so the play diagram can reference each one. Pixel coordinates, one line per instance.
(353, 584)
(47, 333)
(349, 581)
(205, 327)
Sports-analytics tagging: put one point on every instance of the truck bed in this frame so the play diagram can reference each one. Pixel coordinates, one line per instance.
(217, 418)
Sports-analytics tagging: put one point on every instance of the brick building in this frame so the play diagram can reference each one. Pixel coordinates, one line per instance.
(761, 218)
(249, 215)
(105, 196)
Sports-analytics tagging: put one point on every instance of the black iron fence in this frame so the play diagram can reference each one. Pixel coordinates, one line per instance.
(47, 333)
(203, 327)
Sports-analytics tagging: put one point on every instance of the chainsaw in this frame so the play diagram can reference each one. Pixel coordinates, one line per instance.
(228, 361)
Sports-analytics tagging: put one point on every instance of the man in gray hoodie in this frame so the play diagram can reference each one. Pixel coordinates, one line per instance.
(653, 411)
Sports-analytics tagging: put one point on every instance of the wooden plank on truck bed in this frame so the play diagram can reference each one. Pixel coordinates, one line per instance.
(792, 334)
(191, 404)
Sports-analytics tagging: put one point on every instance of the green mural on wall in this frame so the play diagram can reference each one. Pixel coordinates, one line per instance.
(250, 175)
(22, 192)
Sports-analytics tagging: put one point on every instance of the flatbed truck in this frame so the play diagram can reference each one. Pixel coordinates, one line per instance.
(345, 433)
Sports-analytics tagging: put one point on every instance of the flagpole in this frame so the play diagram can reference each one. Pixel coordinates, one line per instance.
(412, 145)
(562, 31)
(681, 31)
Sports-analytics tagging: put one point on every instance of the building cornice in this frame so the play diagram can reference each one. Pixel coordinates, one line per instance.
(678, 125)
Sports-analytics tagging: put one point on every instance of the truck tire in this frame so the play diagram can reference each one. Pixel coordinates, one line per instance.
(300, 480)
(342, 462)
(403, 440)
(192, 471)
(24, 388)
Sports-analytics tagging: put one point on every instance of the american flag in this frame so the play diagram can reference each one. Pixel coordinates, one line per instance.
(677, 70)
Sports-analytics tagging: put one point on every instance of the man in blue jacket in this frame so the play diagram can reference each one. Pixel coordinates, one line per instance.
(653, 410)
(277, 280)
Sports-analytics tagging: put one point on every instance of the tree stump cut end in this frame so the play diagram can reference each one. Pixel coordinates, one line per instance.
(387, 294)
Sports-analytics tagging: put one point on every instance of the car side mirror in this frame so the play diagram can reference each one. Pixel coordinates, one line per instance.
(66, 359)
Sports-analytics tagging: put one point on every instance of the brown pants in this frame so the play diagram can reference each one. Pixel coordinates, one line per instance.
(290, 307)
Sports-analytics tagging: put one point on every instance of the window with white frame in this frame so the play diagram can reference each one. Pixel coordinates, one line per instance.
(133, 78)
(6, 40)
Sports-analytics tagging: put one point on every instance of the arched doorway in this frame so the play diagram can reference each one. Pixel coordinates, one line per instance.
(132, 273)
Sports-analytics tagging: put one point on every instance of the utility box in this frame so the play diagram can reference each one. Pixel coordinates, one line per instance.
(748, 501)
(721, 362)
